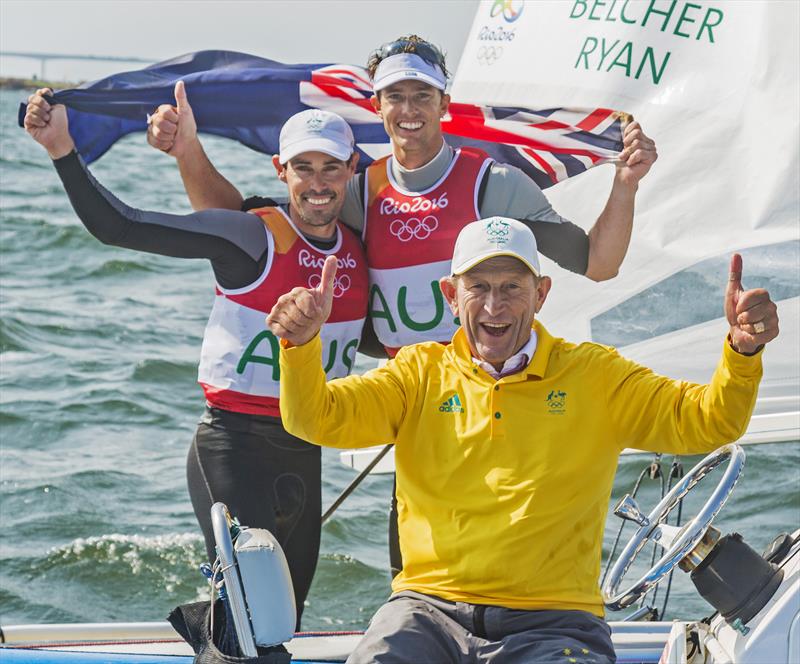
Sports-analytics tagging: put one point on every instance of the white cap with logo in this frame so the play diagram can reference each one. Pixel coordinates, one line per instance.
(494, 236)
(316, 131)
(407, 66)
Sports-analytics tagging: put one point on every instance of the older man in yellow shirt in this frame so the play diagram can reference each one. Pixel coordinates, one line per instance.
(495, 436)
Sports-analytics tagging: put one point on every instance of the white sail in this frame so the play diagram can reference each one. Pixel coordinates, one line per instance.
(716, 85)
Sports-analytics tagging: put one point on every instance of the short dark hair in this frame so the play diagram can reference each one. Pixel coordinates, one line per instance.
(410, 46)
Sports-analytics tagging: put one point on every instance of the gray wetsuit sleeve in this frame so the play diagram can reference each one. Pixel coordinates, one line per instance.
(235, 242)
(352, 213)
(511, 193)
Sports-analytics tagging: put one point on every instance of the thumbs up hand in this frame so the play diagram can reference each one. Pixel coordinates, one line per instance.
(753, 317)
(172, 128)
(299, 314)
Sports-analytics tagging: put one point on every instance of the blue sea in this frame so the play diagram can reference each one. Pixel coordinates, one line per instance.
(99, 402)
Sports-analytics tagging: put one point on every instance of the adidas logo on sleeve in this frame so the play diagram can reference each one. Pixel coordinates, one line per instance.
(452, 405)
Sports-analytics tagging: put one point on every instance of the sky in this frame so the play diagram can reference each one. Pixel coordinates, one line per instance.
(285, 30)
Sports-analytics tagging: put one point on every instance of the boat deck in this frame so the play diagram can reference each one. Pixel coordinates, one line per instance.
(145, 643)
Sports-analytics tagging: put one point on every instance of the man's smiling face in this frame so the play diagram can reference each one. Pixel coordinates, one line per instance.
(496, 301)
(317, 183)
(412, 113)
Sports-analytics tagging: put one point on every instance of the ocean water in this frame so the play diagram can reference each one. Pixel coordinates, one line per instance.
(98, 405)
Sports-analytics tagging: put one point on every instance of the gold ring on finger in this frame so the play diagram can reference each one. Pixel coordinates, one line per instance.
(759, 327)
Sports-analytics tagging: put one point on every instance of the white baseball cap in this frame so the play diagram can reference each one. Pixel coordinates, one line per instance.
(316, 131)
(494, 236)
(407, 66)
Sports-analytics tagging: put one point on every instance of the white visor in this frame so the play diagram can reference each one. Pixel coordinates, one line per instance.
(407, 67)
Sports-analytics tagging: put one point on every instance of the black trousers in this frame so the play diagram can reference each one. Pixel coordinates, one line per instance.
(267, 478)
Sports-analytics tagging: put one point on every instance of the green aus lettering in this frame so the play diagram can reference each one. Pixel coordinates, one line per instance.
(379, 308)
(348, 354)
(331, 356)
(375, 293)
(272, 359)
(423, 326)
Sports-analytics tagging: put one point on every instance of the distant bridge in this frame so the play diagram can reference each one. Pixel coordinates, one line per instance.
(44, 57)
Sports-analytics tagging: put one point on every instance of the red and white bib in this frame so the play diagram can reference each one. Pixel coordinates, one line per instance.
(409, 238)
(239, 362)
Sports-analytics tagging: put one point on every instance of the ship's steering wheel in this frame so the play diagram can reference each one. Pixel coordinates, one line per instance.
(678, 542)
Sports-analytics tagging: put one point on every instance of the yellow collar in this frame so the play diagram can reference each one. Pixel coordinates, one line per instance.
(460, 352)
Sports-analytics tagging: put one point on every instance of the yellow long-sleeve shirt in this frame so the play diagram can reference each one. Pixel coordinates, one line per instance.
(503, 486)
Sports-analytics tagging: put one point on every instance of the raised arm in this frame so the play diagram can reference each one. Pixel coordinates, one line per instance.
(172, 129)
(598, 254)
(663, 415)
(611, 233)
(235, 242)
(356, 411)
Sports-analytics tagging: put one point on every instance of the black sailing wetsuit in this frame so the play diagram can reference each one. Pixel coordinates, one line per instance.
(267, 477)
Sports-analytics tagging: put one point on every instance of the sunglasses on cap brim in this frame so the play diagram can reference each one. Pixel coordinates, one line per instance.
(427, 52)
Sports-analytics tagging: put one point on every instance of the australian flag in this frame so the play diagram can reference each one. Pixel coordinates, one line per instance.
(247, 98)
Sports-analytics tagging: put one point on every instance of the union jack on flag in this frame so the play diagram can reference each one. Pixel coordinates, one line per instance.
(248, 99)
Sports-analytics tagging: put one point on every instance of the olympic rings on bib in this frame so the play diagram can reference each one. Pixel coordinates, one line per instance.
(410, 229)
(341, 284)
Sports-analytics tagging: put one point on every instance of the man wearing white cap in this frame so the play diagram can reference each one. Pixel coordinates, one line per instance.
(241, 454)
(500, 532)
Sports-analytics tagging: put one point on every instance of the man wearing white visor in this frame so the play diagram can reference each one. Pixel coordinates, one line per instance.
(416, 200)
(495, 436)
(241, 454)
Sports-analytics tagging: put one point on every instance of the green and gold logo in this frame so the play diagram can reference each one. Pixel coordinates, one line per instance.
(557, 402)
(497, 231)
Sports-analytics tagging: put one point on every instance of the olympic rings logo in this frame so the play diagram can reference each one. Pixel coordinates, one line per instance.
(488, 55)
(511, 9)
(341, 284)
(406, 230)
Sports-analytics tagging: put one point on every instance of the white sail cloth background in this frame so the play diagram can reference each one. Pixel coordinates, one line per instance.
(716, 84)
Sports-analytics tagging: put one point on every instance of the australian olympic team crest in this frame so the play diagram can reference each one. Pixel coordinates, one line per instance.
(314, 123)
(557, 402)
(497, 231)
